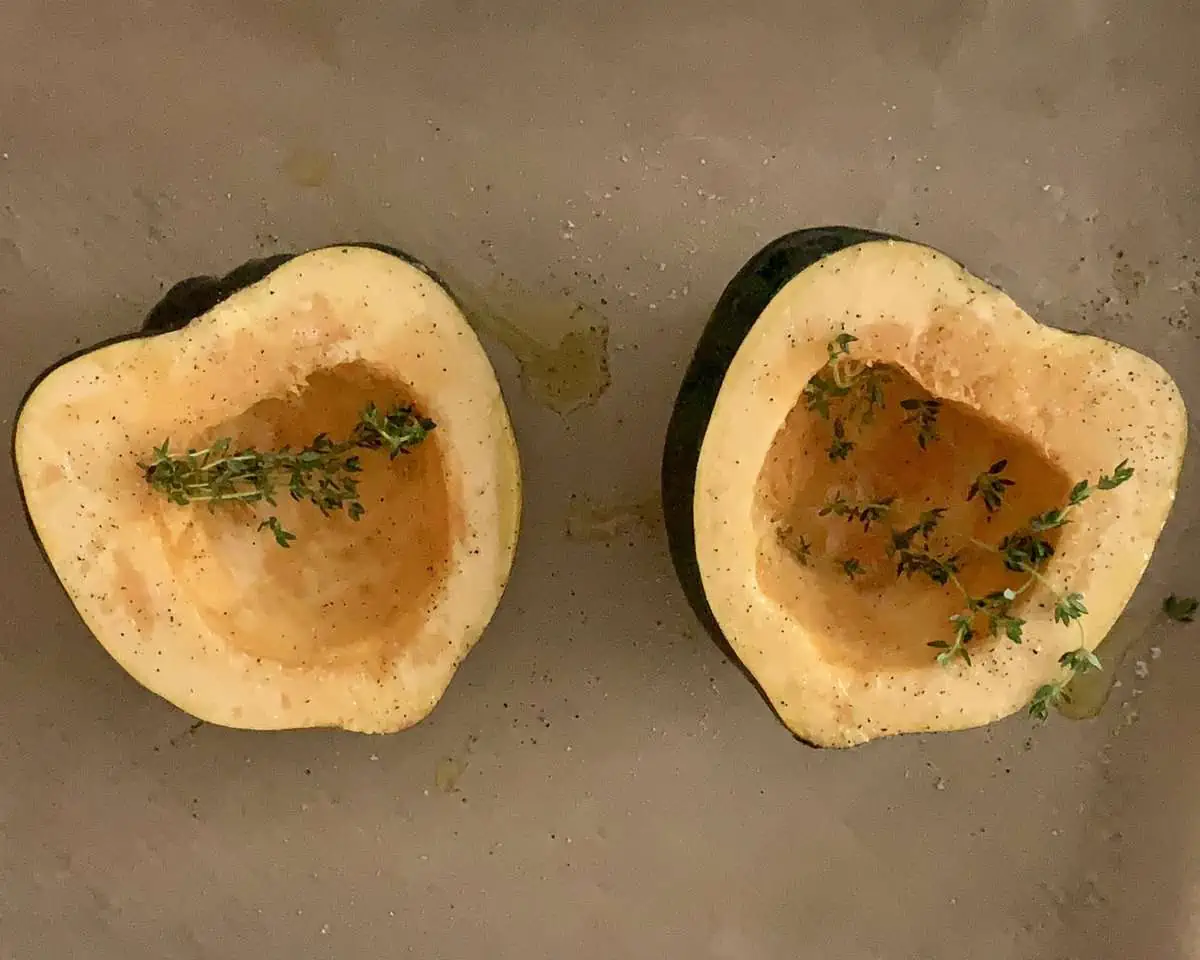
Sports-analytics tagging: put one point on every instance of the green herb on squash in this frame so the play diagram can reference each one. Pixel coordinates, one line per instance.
(1052, 694)
(1025, 550)
(990, 485)
(324, 473)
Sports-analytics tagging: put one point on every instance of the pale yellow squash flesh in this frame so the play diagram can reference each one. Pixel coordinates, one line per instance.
(845, 661)
(356, 625)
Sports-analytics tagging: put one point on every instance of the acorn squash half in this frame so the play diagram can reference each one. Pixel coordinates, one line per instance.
(864, 436)
(359, 623)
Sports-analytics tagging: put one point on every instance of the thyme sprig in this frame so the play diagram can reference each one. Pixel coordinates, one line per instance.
(798, 545)
(839, 346)
(866, 513)
(851, 388)
(1024, 551)
(1054, 693)
(323, 473)
(924, 415)
(820, 392)
(964, 633)
(847, 390)
(924, 527)
(840, 447)
(940, 568)
(990, 485)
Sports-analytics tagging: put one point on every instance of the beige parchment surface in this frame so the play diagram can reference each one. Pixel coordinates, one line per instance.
(598, 781)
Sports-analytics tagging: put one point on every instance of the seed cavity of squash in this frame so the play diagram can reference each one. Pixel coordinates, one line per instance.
(874, 620)
(312, 604)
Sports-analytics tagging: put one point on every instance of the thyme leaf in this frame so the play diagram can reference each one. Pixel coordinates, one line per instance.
(840, 447)
(1181, 609)
(851, 568)
(924, 414)
(989, 486)
(867, 513)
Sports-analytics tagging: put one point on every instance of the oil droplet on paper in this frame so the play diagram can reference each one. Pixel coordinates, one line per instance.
(596, 523)
(560, 344)
(307, 167)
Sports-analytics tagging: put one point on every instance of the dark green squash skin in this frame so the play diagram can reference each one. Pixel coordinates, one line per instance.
(179, 306)
(736, 312)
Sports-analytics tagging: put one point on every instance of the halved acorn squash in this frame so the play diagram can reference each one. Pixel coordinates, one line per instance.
(901, 501)
(361, 622)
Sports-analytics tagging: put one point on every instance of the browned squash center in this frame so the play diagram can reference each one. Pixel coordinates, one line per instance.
(839, 580)
(345, 592)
